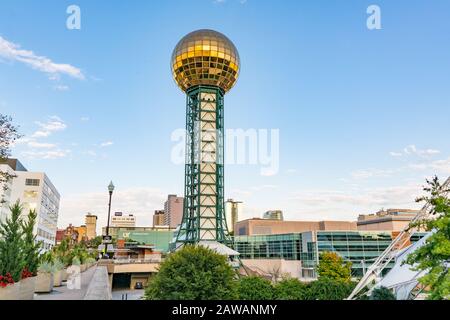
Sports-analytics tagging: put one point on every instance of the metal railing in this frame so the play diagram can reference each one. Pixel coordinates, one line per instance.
(130, 260)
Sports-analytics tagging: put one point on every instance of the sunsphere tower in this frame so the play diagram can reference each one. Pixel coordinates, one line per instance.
(205, 65)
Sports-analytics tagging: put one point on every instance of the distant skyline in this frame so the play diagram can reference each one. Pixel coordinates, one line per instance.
(363, 115)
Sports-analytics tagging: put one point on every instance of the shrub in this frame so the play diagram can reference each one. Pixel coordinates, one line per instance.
(193, 273)
(12, 258)
(382, 293)
(291, 289)
(46, 267)
(58, 265)
(31, 248)
(326, 289)
(76, 261)
(255, 288)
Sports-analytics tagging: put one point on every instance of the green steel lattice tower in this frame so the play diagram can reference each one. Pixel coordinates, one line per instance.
(205, 65)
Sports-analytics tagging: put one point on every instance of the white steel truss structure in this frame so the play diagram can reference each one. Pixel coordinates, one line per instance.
(374, 271)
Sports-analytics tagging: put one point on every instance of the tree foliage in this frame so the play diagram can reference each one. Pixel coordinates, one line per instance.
(11, 244)
(291, 289)
(31, 247)
(8, 135)
(328, 289)
(382, 293)
(193, 273)
(434, 255)
(333, 267)
(255, 288)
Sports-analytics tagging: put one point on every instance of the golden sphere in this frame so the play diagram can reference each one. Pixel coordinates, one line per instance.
(205, 57)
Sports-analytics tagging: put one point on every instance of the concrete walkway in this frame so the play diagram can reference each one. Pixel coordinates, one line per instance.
(63, 293)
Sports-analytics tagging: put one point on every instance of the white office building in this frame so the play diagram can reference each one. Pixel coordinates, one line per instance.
(35, 191)
(123, 220)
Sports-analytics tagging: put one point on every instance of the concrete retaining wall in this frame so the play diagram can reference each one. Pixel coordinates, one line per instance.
(99, 288)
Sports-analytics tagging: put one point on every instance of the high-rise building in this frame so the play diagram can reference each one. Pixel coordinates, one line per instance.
(35, 191)
(173, 210)
(123, 220)
(205, 65)
(158, 218)
(273, 215)
(233, 210)
(91, 226)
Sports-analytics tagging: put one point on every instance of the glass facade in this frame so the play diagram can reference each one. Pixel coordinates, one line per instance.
(159, 239)
(359, 247)
(205, 57)
(284, 246)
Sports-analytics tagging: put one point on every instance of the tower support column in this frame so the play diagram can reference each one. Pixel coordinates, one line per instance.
(203, 212)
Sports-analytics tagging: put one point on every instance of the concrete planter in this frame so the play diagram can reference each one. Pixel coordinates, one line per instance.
(44, 283)
(83, 267)
(64, 275)
(57, 278)
(26, 289)
(11, 292)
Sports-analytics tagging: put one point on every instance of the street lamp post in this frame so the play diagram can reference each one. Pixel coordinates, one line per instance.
(110, 189)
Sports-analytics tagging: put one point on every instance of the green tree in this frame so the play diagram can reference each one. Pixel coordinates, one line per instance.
(255, 288)
(31, 247)
(11, 244)
(63, 251)
(382, 293)
(95, 242)
(434, 256)
(328, 289)
(333, 267)
(291, 289)
(193, 273)
(8, 135)
(79, 250)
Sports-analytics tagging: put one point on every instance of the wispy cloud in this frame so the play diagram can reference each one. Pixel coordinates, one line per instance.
(363, 199)
(61, 88)
(371, 173)
(53, 124)
(106, 144)
(264, 187)
(396, 154)
(37, 147)
(412, 150)
(41, 145)
(438, 166)
(50, 154)
(13, 52)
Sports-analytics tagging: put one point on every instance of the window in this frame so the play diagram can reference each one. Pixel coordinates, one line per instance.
(32, 182)
(30, 194)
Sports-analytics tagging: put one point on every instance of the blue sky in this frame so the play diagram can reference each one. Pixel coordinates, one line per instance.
(363, 114)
